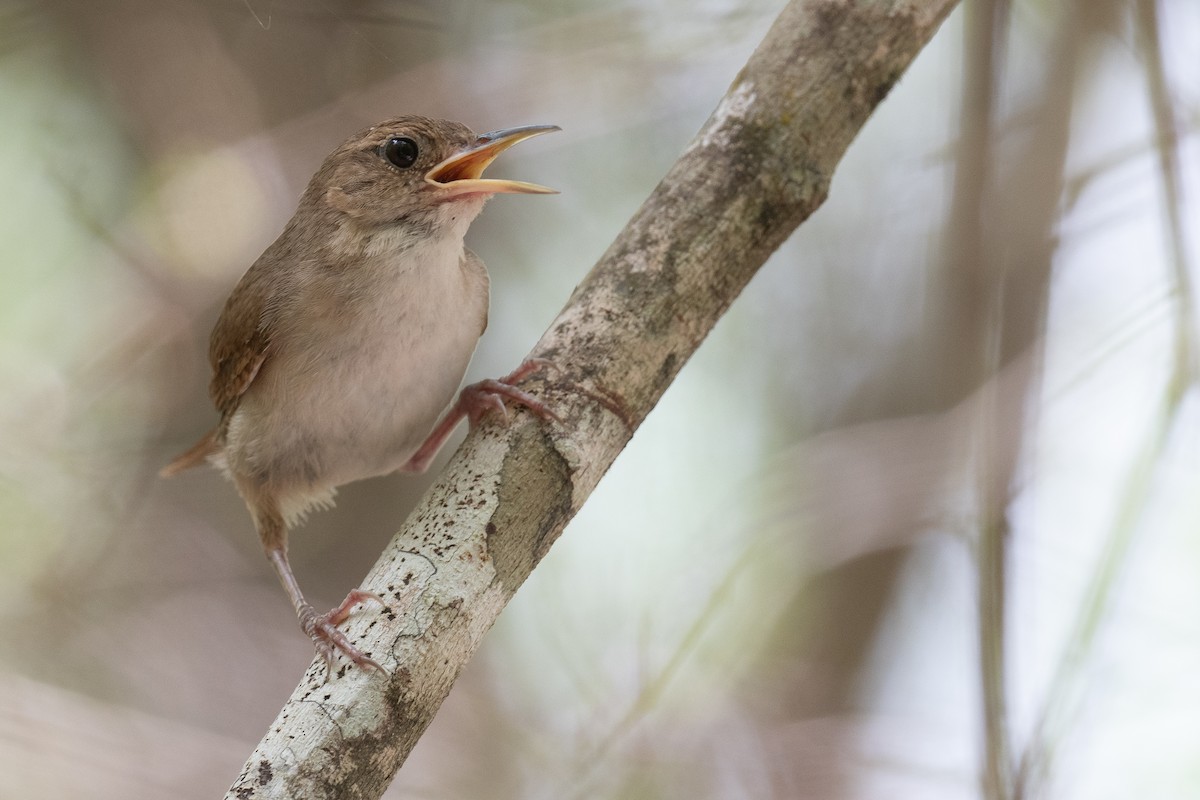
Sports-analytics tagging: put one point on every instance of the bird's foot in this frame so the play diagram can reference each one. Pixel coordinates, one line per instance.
(476, 400)
(487, 395)
(323, 630)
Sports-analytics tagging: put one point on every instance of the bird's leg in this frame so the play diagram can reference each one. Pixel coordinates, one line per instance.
(476, 400)
(321, 628)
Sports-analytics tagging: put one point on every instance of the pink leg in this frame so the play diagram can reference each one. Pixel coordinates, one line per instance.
(322, 628)
(476, 400)
(340, 614)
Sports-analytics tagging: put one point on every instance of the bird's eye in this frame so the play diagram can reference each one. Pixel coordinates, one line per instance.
(400, 151)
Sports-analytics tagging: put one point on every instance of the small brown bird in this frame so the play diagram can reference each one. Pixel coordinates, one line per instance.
(340, 347)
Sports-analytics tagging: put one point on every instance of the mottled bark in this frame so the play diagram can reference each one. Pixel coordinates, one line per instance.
(761, 164)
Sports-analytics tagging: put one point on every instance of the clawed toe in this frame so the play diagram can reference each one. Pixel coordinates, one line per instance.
(475, 401)
(329, 640)
(339, 615)
(479, 398)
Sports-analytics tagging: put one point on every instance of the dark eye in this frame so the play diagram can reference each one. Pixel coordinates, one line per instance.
(400, 151)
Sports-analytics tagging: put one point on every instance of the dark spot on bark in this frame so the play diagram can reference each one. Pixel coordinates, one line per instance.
(884, 87)
(265, 773)
(352, 767)
(668, 369)
(522, 534)
(831, 17)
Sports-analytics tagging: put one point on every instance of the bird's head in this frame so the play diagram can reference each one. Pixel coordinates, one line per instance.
(416, 171)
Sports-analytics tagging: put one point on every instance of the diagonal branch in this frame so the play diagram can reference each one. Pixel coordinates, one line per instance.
(761, 164)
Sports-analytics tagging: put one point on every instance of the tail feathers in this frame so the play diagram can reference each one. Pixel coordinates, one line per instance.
(194, 457)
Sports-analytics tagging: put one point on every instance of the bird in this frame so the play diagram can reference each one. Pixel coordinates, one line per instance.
(337, 355)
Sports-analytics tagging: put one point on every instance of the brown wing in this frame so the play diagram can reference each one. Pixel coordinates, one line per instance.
(473, 267)
(240, 342)
(239, 347)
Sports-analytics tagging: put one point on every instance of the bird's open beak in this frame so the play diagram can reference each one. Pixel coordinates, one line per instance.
(460, 173)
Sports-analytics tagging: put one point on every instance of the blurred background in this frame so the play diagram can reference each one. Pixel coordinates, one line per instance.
(920, 519)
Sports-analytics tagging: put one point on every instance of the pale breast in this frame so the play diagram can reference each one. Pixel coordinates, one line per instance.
(357, 380)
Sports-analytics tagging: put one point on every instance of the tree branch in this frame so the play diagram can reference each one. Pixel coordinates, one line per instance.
(760, 165)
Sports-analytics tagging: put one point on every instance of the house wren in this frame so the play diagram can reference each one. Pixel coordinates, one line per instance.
(345, 341)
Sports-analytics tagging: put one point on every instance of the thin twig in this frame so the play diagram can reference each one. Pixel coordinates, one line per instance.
(1066, 693)
(986, 33)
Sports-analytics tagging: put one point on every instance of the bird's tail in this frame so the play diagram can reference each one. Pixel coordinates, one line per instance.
(196, 455)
